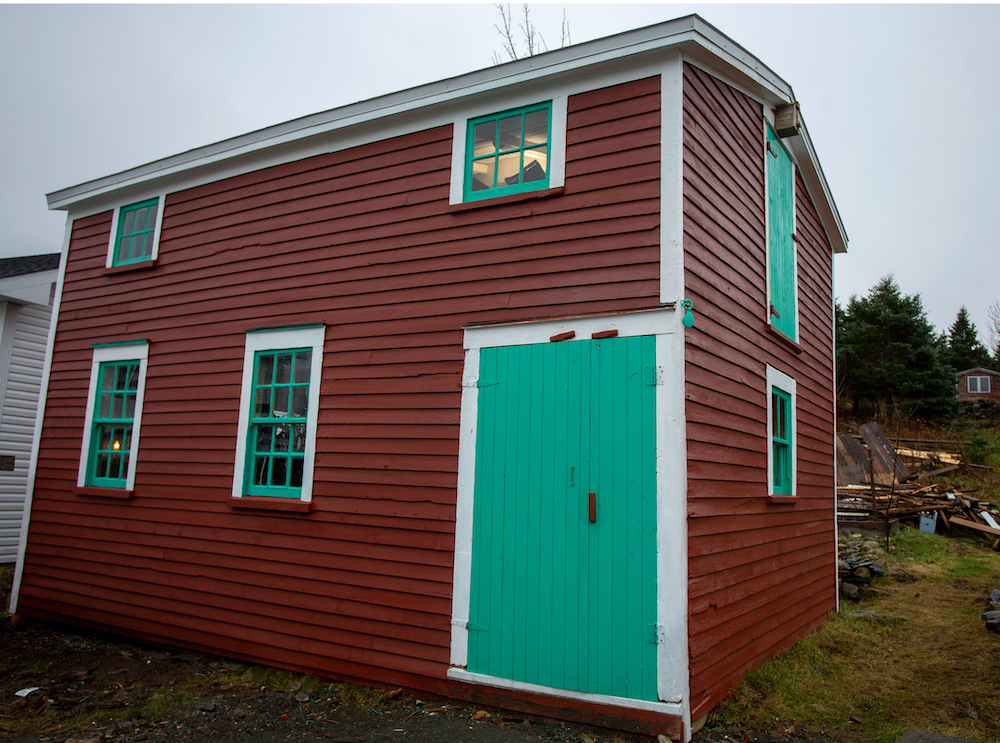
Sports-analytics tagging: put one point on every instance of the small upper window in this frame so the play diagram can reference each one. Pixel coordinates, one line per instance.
(979, 384)
(508, 152)
(135, 233)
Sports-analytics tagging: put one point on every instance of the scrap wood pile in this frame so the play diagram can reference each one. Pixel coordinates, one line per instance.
(875, 482)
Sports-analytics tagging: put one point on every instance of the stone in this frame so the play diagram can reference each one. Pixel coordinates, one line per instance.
(862, 575)
(208, 706)
(850, 591)
(863, 614)
(995, 596)
(301, 697)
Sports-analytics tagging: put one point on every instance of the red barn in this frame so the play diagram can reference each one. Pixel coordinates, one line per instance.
(515, 388)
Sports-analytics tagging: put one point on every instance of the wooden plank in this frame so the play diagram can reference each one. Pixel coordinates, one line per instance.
(883, 451)
(975, 526)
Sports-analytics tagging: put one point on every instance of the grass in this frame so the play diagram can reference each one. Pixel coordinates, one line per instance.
(162, 703)
(6, 584)
(926, 661)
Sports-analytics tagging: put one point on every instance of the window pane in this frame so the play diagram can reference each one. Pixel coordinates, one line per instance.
(129, 406)
(260, 471)
(117, 439)
(284, 369)
(536, 127)
(114, 466)
(104, 438)
(105, 409)
(280, 402)
(303, 360)
(123, 249)
(151, 219)
(117, 406)
(483, 174)
(279, 469)
(296, 475)
(102, 466)
(299, 437)
(281, 438)
(265, 367)
(140, 219)
(534, 165)
(147, 246)
(108, 379)
(509, 169)
(124, 473)
(484, 138)
(121, 377)
(300, 399)
(128, 224)
(973, 384)
(127, 439)
(510, 133)
(262, 403)
(133, 377)
(264, 438)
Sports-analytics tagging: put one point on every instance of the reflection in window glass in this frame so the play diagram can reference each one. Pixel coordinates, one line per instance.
(508, 152)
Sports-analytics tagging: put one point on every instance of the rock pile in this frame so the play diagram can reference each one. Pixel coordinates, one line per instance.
(992, 613)
(860, 559)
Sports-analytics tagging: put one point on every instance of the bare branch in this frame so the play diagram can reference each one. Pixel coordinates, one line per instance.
(506, 33)
(564, 38)
(993, 330)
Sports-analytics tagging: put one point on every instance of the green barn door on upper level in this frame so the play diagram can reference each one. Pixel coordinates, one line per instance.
(563, 591)
(780, 230)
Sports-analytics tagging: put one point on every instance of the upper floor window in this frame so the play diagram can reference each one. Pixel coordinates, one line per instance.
(135, 233)
(508, 152)
(279, 402)
(781, 254)
(979, 384)
(114, 412)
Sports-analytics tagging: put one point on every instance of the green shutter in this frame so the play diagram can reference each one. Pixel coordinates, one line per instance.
(780, 226)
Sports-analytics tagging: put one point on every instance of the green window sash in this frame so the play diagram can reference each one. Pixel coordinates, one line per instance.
(276, 442)
(111, 433)
(136, 230)
(781, 442)
(508, 152)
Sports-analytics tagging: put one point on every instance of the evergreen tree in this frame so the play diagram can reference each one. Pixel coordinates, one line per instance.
(888, 356)
(965, 350)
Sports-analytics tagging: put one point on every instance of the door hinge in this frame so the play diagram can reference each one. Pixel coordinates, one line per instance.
(487, 382)
(652, 375)
(657, 634)
(476, 627)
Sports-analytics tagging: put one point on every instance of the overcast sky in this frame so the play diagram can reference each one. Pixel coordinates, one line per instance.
(902, 103)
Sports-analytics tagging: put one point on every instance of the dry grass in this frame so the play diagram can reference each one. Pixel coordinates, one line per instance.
(926, 662)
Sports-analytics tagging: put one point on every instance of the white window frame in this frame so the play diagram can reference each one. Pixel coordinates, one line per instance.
(557, 140)
(979, 384)
(270, 340)
(114, 352)
(113, 238)
(786, 384)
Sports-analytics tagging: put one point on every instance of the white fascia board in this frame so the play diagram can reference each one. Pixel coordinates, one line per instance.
(29, 288)
(412, 108)
(804, 153)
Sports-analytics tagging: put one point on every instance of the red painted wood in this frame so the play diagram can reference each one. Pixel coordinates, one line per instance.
(760, 574)
(362, 241)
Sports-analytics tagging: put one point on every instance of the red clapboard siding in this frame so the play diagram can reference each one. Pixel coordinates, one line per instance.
(363, 241)
(760, 574)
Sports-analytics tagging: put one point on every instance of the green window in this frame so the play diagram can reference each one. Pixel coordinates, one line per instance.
(508, 152)
(276, 443)
(781, 442)
(114, 411)
(780, 228)
(136, 230)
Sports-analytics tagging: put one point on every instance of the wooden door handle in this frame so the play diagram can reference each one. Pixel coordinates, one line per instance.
(593, 508)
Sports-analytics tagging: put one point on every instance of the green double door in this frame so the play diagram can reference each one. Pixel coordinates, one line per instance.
(563, 589)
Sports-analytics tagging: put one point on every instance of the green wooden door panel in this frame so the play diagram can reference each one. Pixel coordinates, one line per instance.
(780, 226)
(557, 600)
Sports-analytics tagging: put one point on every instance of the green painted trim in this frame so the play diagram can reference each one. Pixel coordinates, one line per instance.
(468, 193)
(274, 453)
(122, 422)
(781, 446)
(140, 238)
(286, 327)
(120, 343)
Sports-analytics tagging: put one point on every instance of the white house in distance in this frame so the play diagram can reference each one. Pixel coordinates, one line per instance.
(27, 286)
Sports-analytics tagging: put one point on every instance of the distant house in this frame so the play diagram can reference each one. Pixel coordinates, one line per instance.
(978, 384)
(515, 388)
(27, 287)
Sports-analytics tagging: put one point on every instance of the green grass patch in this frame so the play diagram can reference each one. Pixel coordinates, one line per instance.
(160, 704)
(354, 695)
(925, 661)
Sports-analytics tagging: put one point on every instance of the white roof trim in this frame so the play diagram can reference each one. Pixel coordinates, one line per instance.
(690, 34)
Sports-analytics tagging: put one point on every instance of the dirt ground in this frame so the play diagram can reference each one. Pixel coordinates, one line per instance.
(93, 687)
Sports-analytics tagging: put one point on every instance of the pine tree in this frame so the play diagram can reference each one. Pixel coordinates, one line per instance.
(888, 357)
(965, 350)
